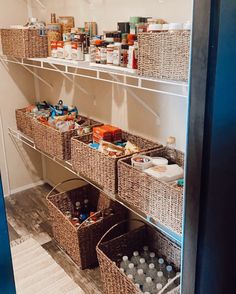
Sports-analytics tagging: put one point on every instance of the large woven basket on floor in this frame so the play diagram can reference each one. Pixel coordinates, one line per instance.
(24, 122)
(54, 142)
(24, 43)
(164, 55)
(98, 167)
(158, 199)
(80, 243)
(111, 250)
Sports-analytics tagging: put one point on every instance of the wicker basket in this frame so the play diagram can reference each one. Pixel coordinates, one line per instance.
(96, 166)
(24, 122)
(80, 243)
(54, 142)
(158, 199)
(164, 55)
(110, 252)
(24, 43)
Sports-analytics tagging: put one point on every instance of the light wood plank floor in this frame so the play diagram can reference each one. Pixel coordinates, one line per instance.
(27, 214)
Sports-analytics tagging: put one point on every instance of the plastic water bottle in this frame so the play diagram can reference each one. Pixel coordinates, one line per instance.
(131, 270)
(170, 274)
(160, 279)
(158, 287)
(161, 265)
(130, 277)
(122, 270)
(140, 277)
(153, 259)
(145, 253)
(142, 265)
(149, 286)
(152, 272)
(135, 258)
(137, 286)
(124, 263)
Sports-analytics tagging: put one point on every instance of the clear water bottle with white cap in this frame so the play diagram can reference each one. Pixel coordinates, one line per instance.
(140, 277)
(170, 274)
(130, 277)
(135, 258)
(158, 287)
(152, 272)
(122, 270)
(153, 259)
(137, 286)
(149, 286)
(160, 278)
(131, 270)
(124, 263)
(161, 265)
(145, 253)
(143, 265)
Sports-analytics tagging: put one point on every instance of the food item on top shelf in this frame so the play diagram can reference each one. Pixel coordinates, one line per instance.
(67, 23)
(159, 161)
(141, 162)
(166, 173)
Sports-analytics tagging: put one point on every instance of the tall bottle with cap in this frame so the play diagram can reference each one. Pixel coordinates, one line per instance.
(131, 270)
(149, 286)
(153, 259)
(161, 265)
(143, 265)
(145, 254)
(171, 152)
(160, 278)
(124, 263)
(140, 277)
(135, 258)
(158, 287)
(170, 274)
(152, 272)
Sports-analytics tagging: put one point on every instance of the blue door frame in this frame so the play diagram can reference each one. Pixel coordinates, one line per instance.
(7, 284)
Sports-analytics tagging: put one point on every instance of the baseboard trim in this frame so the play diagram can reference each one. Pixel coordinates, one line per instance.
(26, 187)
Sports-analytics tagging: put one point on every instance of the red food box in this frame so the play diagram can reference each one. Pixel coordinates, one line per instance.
(100, 133)
(116, 133)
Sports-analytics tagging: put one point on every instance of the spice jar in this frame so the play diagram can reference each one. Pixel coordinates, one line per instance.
(124, 55)
(67, 50)
(110, 49)
(103, 52)
(117, 54)
(53, 49)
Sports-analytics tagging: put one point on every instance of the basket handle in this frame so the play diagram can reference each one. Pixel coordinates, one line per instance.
(168, 284)
(61, 183)
(116, 225)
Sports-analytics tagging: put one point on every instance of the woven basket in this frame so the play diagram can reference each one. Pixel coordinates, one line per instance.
(110, 252)
(24, 122)
(24, 43)
(54, 142)
(80, 243)
(164, 55)
(96, 166)
(157, 199)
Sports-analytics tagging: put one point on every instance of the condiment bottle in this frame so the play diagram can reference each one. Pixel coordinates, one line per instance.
(110, 49)
(117, 54)
(124, 55)
(103, 51)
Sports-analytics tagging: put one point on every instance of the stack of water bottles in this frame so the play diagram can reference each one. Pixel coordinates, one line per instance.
(149, 272)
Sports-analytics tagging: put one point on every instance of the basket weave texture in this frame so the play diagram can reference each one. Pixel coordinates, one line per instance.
(111, 251)
(24, 43)
(24, 122)
(164, 55)
(98, 167)
(54, 142)
(80, 243)
(158, 199)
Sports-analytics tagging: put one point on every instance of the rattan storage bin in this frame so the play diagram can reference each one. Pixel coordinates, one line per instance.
(80, 243)
(54, 142)
(164, 55)
(111, 250)
(24, 122)
(24, 43)
(157, 199)
(96, 166)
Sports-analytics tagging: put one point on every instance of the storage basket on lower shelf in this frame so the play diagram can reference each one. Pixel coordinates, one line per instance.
(157, 199)
(54, 142)
(164, 55)
(24, 43)
(24, 122)
(111, 250)
(80, 243)
(98, 167)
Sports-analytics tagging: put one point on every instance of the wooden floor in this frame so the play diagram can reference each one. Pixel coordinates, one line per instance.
(28, 215)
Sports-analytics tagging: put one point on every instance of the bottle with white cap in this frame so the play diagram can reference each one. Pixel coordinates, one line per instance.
(161, 265)
(160, 279)
(145, 254)
(124, 263)
(137, 286)
(153, 259)
(149, 286)
(158, 287)
(152, 272)
(131, 270)
(135, 258)
(140, 277)
(170, 274)
(130, 277)
(143, 265)
(122, 270)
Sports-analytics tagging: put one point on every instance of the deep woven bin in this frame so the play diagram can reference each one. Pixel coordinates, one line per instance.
(54, 142)
(96, 166)
(80, 243)
(164, 55)
(24, 122)
(158, 199)
(111, 250)
(24, 43)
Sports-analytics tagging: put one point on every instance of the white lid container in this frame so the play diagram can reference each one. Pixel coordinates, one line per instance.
(165, 27)
(154, 27)
(141, 162)
(166, 173)
(159, 161)
(175, 26)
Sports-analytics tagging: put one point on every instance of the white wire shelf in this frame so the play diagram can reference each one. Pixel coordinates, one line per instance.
(17, 135)
(116, 75)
